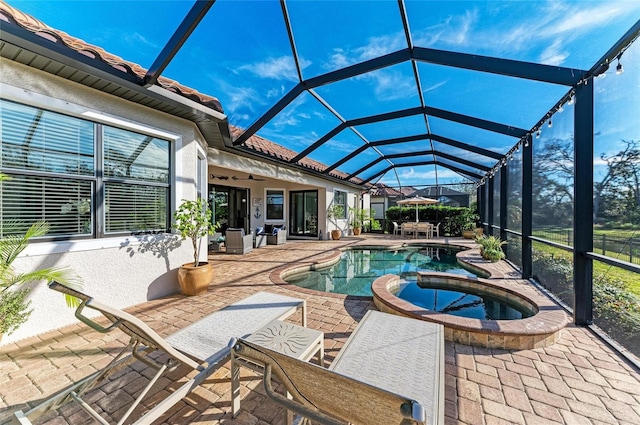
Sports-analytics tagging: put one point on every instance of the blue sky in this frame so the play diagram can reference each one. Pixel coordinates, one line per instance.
(240, 53)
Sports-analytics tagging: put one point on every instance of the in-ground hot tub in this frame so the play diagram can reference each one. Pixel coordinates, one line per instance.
(540, 329)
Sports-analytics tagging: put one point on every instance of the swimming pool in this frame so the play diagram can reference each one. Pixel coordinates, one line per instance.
(357, 268)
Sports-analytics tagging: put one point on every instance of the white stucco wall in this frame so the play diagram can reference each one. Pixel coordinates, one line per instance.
(222, 163)
(120, 271)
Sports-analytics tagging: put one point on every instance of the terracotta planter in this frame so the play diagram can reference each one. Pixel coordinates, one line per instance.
(336, 234)
(468, 234)
(356, 231)
(195, 280)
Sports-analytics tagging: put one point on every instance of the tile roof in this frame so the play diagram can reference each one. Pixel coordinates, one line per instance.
(385, 190)
(276, 151)
(12, 15)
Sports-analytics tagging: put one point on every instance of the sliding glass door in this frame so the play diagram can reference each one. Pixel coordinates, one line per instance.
(303, 213)
(230, 207)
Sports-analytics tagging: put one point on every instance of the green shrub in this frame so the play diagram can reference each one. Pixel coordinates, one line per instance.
(615, 307)
(491, 247)
(14, 310)
(493, 255)
(452, 218)
(616, 311)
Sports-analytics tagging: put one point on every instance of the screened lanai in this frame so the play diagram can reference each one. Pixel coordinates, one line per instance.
(534, 104)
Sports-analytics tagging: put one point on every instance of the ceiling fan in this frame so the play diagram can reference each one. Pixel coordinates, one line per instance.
(248, 178)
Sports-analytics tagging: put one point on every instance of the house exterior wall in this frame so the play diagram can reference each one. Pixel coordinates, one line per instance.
(227, 164)
(120, 271)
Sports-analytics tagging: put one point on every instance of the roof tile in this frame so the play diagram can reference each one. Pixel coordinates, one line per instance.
(14, 16)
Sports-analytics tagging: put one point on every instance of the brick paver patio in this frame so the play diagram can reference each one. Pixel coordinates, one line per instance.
(579, 380)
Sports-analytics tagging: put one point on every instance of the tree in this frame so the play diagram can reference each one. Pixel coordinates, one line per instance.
(619, 184)
(623, 174)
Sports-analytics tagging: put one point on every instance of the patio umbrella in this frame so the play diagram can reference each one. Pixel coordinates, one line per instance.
(417, 200)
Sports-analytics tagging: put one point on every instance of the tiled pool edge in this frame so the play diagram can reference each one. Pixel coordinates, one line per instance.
(541, 330)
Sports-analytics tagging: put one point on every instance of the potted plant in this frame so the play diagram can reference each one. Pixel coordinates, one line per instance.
(361, 217)
(14, 307)
(491, 247)
(193, 220)
(468, 221)
(468, 231)
(335, 212)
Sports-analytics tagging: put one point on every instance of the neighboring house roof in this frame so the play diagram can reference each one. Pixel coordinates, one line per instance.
(28, 22)
(385, 190)
(255, 144)
(436, 191)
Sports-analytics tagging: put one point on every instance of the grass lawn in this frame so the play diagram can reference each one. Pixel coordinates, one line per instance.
(631, 279)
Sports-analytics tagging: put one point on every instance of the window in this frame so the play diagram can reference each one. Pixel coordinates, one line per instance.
(56, 174)
(275, 205)
(340, 199)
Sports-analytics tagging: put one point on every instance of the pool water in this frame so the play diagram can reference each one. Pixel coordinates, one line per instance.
(465, 304)
(358, 268)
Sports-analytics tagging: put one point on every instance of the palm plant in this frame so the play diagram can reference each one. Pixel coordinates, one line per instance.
(14, 308)
(491, 247)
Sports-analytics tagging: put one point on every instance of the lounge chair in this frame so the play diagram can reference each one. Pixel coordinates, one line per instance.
(390, 371)
(202, 346)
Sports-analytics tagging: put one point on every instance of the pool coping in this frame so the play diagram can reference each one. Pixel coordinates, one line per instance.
(540, 330)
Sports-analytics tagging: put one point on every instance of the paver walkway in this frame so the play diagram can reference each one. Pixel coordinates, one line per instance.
(579, 380)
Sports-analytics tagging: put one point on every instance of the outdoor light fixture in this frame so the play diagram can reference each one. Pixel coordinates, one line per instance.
(550, 123)
(572, 100)
(619, 68)
(538, 133)
(526, 143)
(560, 109)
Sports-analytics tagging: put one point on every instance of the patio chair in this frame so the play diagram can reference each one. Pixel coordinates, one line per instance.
(237, 242)
(201, 347)
(436, 230)
(278, 238)
(426, 228)
(396, 228)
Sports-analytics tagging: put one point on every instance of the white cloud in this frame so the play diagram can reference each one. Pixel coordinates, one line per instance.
(435, 86)
(380, 45)
(374, 47)
(554, 54)
(275, 92)
(338, 59)
(554, 22)
(339, 146)
(281, 68)
(391, 85)
(137, 39)
(454, 31)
